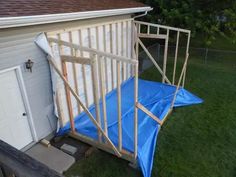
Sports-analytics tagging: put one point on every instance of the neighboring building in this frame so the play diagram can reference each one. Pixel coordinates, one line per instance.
(26, 98)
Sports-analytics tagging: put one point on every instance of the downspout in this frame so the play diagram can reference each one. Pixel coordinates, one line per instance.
(141, 15)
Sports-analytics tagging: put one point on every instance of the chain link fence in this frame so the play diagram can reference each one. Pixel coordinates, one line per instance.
(206, 56)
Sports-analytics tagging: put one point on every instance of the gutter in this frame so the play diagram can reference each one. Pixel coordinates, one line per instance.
(9, 22)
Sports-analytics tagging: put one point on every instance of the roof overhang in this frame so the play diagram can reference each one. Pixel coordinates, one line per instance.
(8, 22)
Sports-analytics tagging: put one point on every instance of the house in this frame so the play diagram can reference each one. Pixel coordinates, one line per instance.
(91, 88)
(26, 96)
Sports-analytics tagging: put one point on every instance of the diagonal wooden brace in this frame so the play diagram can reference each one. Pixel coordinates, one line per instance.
(85, 108)
(145, 110)
(153, 60)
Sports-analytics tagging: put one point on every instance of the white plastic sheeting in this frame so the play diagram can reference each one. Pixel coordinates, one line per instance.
(112, 38)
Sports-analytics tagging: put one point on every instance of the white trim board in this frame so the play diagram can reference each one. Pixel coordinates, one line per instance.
(8, 22)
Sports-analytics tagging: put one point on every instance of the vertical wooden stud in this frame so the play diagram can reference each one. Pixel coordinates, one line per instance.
(165, 57)
(186, 55)
(95, 94)
(105, 49)
(122, 50)
(119, 106)
(68, 98)
(83, 70)
(73, 53)
(176, 56)
(112, 63)
(103, 93)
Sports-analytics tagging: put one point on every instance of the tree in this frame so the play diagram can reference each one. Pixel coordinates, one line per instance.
(207, 17)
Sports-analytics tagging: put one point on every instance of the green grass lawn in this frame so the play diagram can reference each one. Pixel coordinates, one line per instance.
(196, 141)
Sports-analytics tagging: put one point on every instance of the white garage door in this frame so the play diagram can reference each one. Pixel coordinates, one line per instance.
(14, 124)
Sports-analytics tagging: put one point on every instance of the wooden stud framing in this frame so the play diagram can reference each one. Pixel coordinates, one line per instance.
(105, 49)
(83, 70)
(153, 60)
(94, 51)
(102, 86)
(118, 69)
(124, 154)
(73, 53)
(162, 26)
(152, 36)
(97, 60)
(68, 98)
(95, 94)
(165, 57)
(127, 46)
(187, 54)
(85, 108)
(112, 62)
(122, 50)
(86, 26)
(103, 93)
(150, 114)
(180, 79)
(79, 60)
(158, 31)
(176, 56)
(136, 112)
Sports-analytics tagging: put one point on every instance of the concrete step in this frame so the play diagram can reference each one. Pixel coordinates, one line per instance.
(52, 157)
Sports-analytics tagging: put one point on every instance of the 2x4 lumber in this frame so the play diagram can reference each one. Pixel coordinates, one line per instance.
(103, 93)
(176, 56)
(136, 100)
(158, 30)
(112, 63)
(95, 94)
(68, 98)
(180, 79)
(166, 116)
(105, 58)
(119, 106)
(152, 36)
(187, 55)
(94, 51)
(73, 53)
(137, 44)
(136, 112)
(73, 59)
(150, 114)
(163, 26)
(102, 82)
(127, 47)
(122, 50)
(54, 32)
(85, 108)
(148, 29)
(133, 37)
(83, 70)
(153, 60)
(165, 57)
(124, 154)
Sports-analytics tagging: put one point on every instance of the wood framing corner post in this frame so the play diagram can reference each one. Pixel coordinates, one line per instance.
(68, 98)
(135, 101)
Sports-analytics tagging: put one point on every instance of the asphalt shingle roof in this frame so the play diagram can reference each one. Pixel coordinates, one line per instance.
(14, 8)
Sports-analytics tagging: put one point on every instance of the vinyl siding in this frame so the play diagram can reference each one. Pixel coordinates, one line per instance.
(16, 47)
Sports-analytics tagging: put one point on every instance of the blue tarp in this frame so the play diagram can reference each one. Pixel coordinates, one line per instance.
(156, 97)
